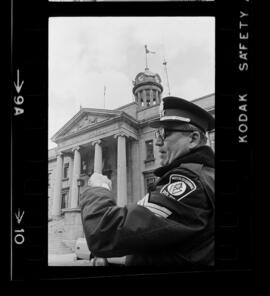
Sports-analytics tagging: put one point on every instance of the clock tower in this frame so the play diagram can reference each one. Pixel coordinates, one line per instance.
(147, 89)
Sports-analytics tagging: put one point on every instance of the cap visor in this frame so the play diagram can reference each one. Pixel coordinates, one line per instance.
(155, 124)
(166, 123)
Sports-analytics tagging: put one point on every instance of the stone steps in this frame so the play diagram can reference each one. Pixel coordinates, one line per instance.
(56, 225)
(56, 246)
(56, 237)
(59, 248)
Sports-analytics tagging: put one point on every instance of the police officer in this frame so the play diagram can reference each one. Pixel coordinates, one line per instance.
(173, 225)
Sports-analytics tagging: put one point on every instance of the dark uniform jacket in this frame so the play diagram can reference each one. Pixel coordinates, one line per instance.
(173, 225)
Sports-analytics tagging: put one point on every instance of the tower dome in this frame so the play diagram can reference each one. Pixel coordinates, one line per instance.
(147, 89)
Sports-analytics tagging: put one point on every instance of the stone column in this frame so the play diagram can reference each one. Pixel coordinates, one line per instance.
(121, 170)
(75, 176)
(151, 97)
(144, 98)
(56, 206)
(71, 164)
(98, 157)
(157, 97)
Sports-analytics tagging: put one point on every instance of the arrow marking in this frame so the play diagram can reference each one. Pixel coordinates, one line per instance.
(19, 216)
(17, 85)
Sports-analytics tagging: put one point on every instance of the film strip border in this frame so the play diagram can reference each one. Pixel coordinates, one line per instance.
(29, 121)
(234, 139)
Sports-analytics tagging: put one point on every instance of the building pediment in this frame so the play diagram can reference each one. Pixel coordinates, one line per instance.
(85, 121)
(85, 118)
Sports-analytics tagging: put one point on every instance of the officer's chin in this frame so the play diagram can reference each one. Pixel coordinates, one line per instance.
(163, 162)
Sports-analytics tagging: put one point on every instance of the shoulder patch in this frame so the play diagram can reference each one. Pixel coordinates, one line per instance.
(178, 187)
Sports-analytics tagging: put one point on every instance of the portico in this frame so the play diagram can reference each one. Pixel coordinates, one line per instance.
(106, 154)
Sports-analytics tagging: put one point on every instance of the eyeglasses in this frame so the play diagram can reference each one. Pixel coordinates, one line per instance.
(162, 133)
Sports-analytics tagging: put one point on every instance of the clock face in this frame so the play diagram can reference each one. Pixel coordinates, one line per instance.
(140, 78)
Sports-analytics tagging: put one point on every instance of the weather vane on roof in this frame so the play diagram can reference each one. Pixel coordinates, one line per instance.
(146, 52)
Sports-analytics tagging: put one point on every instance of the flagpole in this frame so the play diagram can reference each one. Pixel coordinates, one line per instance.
(166, 73)
(146, 57)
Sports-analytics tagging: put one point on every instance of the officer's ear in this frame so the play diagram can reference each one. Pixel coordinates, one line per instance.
(195, 139)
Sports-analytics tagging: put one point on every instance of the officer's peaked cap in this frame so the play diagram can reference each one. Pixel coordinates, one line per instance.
(176, 111)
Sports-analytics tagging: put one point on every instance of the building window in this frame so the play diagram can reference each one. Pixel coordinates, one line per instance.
(49, 179)
(149, 145)
(64, 200)
(65, 174)
(84, 167)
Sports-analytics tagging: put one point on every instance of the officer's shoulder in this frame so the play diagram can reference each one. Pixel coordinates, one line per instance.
(192, 170)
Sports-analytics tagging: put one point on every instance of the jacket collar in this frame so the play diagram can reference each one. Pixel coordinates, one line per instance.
(203, 155)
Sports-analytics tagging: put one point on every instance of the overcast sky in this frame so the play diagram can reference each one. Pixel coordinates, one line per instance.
(86, 54)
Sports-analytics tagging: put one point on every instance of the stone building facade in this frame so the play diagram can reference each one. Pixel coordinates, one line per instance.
(118, 143)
